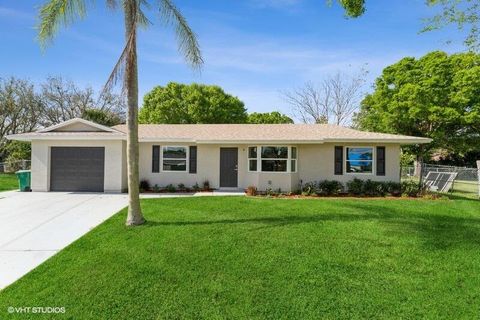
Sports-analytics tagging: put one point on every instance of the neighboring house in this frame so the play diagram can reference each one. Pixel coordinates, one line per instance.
(78, 155)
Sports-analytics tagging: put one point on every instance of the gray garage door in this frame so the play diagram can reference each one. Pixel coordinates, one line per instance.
(77, 169)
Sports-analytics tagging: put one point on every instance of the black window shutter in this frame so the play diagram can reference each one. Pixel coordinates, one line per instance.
(380, 161)
(193, 159)
(338, 160)
(155, 158)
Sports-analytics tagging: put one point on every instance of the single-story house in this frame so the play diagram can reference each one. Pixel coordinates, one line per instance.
(79, 155)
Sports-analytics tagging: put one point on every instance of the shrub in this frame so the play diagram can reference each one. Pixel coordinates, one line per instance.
(371, 188)
(270, 192)
(181, 186)
(410, 188)
(156, 188)
(144, 185)
(206, 185)
(329, 187)
(309, 189)
(196, 187)
(355, 186)
(170, 188)
(251, 191)
(393, 188)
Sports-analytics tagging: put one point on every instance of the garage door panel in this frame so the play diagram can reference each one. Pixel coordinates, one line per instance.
(77, 169)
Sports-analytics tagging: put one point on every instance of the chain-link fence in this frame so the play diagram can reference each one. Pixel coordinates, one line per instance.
(462, 181)
(12, 166)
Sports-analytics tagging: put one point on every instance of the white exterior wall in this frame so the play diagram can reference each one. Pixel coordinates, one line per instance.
(316, 162)
(208, 168)
(115, 165)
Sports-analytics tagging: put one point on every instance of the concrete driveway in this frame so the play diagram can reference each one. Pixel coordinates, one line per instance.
(36, 225)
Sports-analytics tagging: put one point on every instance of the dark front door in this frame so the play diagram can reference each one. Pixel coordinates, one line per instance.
(77, 169)
(228, 167)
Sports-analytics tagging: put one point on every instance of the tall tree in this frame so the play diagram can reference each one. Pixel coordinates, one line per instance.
(334, 101)
(268, 118)
(63, 100)
(20, 109)
(194, 103)
(436, 96)
(55, 13)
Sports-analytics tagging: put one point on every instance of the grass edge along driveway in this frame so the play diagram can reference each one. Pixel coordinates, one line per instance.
(8, 181)
(237, 257)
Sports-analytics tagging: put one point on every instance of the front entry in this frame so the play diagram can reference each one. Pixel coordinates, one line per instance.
(228, 167)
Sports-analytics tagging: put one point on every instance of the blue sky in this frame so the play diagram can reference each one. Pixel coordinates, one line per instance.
(254, 49)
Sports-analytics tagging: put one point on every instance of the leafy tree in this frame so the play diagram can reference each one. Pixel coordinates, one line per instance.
(55, 13)
(105, 117)
(436, 96)
(194, 103)
(17, 151)
(268, 117)
(353, 8)
(464, 14)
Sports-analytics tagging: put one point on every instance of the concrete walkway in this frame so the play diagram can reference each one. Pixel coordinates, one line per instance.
(36, 225)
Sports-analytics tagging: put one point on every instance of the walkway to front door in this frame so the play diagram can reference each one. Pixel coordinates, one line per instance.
(228, 167)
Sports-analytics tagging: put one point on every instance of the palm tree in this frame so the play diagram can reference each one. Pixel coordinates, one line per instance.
(57, 13)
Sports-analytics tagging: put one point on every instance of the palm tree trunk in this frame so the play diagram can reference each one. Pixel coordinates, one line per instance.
(135, 216)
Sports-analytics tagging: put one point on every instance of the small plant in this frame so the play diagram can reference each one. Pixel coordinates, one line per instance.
(269, 192)
(329, 187)
(196, 187)
(251, 191)
(355, 186)
(156, 188)
(309, 188)
(181, 186)
(144, 185)
(170, 188)
(206, 185)
(410, 188)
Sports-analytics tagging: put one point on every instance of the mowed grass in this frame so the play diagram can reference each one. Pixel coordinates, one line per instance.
(254, 258)
(8, 181)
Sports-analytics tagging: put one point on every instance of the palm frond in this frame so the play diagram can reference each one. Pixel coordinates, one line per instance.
(55, 13)
(186, 38)
(120, 67)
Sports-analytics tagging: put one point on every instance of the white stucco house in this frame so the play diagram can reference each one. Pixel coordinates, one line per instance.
(78, 155)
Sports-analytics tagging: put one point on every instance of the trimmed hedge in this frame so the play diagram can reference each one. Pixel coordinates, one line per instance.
(360, 187)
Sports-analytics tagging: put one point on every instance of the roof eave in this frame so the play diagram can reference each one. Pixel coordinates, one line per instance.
(28, 137)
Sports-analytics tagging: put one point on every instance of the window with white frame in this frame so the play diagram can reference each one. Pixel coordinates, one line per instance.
(252, 159)
(272, 159)
(359, 159)
(293, 159)
(174, 158)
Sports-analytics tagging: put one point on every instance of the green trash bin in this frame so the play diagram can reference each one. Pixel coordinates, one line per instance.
(24, 177)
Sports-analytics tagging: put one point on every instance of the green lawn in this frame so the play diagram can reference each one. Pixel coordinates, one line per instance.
(254, 258)
(8, 181)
